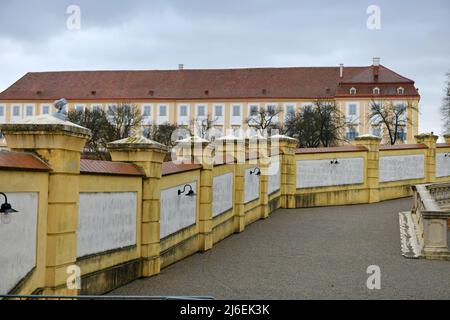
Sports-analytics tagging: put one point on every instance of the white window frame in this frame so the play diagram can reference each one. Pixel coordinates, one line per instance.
(183, 120)
(197, 107)
(286, 106)
(163, 119)
(25, 110)
(3, 117)
(147, 120)
(275, 105)
(249, 107)
(353, 91)
(402, 91)
(79, 106)
(219, 120)
(42, 106)
(376, 91)
(95, 106)
(402, 102)
(354, 119)
(236, 120)
(19, 117)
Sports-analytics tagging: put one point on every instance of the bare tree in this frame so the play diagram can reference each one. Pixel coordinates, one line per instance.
(445, 107)
(390, 117)
(97, 122)
(264, 119)
(163, 133)
(203, 125)
(125, 119)
(318, 125)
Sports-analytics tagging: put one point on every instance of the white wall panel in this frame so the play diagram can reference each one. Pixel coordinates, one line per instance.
(222, 193)
(252, 182)
(442, 164)
(177, 211)
(18, 240)
(395, 168)
(274, 177)
(321, 173)
(106, 221)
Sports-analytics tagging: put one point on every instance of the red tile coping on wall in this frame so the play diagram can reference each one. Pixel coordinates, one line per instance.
(330, 149)
(109, 168)
(443, 145)
(22, 161)
(387, 147)
(169, 168)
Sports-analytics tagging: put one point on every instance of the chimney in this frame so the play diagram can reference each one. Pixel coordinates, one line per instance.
(181, 66)
(376, 68)
(341, 70)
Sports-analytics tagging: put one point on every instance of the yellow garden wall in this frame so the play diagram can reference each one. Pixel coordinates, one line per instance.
(154, 188)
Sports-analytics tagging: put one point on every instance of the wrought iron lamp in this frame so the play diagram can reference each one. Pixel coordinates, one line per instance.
(256, 171)
(5, 210)
(190, 193)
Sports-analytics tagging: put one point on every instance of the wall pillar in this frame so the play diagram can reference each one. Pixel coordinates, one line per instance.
(59, 143)
(447, 138)
(149, 155)
(234, 147)
(285, 147)
(429, 140)
(198, 150)
(372, 143)
(258, 152)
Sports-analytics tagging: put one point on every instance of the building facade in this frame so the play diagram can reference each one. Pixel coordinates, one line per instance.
(229, 95)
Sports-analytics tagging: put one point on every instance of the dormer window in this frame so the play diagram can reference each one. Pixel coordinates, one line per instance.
(353, 91)
(376, 91)
(400, 90)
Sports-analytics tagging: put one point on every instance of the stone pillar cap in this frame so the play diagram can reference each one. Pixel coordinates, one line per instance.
(136, 143)
(368, 137)
(282, 137)
(45, 123)
(426, 135)
(192, 139)
(229, 138)
(256, 137)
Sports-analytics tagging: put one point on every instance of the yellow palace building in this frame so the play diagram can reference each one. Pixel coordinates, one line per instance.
(228, 95)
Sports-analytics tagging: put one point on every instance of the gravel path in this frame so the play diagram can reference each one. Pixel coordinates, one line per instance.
(318, 253)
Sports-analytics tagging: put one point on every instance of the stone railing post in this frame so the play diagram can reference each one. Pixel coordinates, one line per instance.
(234, 147)
(258, 152)
(59, 143)
(285, 147)
(372, 143)
(148, 155)
(201, 151)
(429, 140)
(447, 138)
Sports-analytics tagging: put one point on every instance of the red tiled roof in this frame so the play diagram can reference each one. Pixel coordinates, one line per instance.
(388, 147)
(263, 83)
(169, 168)
(109, 168)
(22, 161)
(331, 149)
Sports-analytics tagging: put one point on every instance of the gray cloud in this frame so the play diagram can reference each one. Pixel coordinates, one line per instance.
(139, 34)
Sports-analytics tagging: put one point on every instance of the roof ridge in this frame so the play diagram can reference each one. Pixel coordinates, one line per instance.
(196, 69)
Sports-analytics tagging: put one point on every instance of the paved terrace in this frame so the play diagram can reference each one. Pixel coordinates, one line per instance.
(319, 253)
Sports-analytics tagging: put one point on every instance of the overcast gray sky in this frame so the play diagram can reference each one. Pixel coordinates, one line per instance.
(414, 38)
